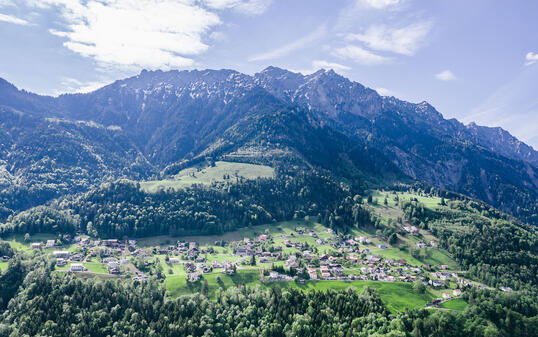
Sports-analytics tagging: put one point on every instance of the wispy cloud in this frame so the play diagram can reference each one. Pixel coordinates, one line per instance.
(292, 46)
(446, 75)
(72, 85)
(318, 64)
(13, 19)
(145, 33)
(380, 4)
(322, 64)
(252, 7)
(509, 105)
(360, 55)
(139, 33)
(385, 92)
(531, 58)
(405, 40)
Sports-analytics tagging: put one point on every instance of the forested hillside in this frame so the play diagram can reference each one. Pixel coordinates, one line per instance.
(53, 305)
(158, 123)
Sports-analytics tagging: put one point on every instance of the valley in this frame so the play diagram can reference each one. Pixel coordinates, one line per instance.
(411, 271)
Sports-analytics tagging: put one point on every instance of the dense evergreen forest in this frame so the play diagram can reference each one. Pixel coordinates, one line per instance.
(122, 208)
(490, 245)
(51, 304)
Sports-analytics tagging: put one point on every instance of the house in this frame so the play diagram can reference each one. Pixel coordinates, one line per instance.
(411, 229)
(456, 292)
(436, 284)
(241, 251)
(313, 274)
(421, 244)
(329, 231)
(507, 289)
(77, 267)
(113, 267)
(443, 267)
(193, 277)
(37, 245)
(63, 254)
(363, 240)
(381, 246)
(50, 244)
(61, 262)
(292, 262)
(276, 277)
(193, 245)
(446, 295)
(325, 272)
(263, 237)
(111, 242)
(433, 244)
(77, 257)
(336, 269)
(173, 260)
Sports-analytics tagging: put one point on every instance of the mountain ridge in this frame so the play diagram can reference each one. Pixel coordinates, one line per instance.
(176, 117)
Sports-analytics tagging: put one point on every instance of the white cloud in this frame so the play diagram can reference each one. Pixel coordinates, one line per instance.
(385, 92)
(72, 85)
(360, 55)
(321, 64)
(292, 46)
(252, 7)
(445, 75)
(405, 40)
(513, 106)
(12, 19)
(531, 58)
(380, 4)
(318, 64)
(143, 33)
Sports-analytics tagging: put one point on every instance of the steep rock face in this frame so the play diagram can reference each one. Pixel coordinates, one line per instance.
(162, 120)
(499, 140)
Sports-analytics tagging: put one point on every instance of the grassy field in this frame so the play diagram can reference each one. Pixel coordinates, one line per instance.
(455, 304)
(3, 266)
(286, 228)
(210, 174)
(17, 241)
(96, 268)
(396, 296)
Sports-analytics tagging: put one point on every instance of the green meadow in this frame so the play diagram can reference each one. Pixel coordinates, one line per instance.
(210, 174)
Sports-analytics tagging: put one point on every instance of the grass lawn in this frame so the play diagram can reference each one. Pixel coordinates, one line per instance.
(396, 296)
(455, 304)
(96, 268)
(275, 230)
(17, 241)
(208, 175)
(3, 265)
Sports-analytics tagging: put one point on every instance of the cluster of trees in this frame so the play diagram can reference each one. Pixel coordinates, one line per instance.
(121, 208)
(493, 247)
(53, 304)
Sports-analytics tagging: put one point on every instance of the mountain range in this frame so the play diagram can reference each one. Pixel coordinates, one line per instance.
(156, 123)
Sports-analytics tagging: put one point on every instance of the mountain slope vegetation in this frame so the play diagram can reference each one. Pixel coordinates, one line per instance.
(157, 123)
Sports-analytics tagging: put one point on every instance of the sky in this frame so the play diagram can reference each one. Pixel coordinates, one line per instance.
(476, 61)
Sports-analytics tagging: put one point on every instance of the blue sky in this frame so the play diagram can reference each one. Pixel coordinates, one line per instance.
(473, 60)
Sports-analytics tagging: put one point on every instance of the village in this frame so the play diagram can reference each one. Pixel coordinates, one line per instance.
(298, 254)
